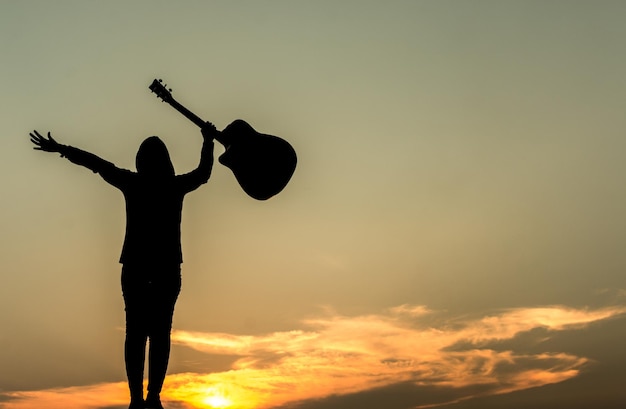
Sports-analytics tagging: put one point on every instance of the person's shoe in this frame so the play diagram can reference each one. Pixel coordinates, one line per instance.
(153, 403)
(136, 404)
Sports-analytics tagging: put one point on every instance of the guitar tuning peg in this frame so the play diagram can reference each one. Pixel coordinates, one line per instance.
(170, 90)
(160, 80)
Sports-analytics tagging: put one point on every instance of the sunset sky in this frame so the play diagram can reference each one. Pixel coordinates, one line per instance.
(453, 236)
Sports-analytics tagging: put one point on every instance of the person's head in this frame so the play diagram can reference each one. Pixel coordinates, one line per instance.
(153, 159)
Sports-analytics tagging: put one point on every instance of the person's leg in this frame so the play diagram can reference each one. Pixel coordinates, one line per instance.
(136, 333)
(163, 299)
(134, 355)
(158, 359)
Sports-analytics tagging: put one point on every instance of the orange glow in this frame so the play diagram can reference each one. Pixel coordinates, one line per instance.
(211, 391)
(341, 355)
(217, 401)
(215, 398)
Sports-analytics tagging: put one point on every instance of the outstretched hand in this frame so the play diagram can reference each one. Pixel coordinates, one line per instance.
(44, 144)
(209, 131)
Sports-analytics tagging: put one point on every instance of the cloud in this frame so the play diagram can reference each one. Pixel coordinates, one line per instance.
(343, 355)
(109, 395)
(336, 355)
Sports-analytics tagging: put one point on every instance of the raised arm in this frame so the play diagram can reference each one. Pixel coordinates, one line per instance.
(75, 155)
(200, 175)
(107, 170)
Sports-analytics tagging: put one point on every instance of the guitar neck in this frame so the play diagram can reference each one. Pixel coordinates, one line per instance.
(187, 113)
(196, 119)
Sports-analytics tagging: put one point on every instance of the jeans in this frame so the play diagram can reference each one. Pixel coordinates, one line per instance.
(150, 292)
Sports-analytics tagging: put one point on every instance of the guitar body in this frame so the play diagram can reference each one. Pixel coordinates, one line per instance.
(262, 164)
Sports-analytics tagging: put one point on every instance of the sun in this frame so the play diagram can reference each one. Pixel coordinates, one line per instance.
(217, 401)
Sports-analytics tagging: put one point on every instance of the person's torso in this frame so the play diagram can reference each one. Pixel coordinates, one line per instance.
(153, 218)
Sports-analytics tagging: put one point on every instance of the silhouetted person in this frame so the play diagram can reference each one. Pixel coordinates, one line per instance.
(151, 254)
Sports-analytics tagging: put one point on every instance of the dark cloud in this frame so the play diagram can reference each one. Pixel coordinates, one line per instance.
(406, 395)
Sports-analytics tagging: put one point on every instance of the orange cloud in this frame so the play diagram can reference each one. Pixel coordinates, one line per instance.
(77, 397)
(337, 355)
(341, 355)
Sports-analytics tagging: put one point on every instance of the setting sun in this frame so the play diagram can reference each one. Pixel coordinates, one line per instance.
(217, 401)
(215, 398)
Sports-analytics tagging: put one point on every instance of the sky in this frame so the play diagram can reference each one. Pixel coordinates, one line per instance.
(452, 237)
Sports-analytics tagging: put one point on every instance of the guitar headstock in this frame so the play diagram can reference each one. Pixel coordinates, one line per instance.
(161, 90)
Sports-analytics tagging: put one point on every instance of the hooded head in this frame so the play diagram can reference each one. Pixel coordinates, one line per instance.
(153, 159)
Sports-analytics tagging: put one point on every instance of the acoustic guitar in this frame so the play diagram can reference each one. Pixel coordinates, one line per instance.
(262, 164)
